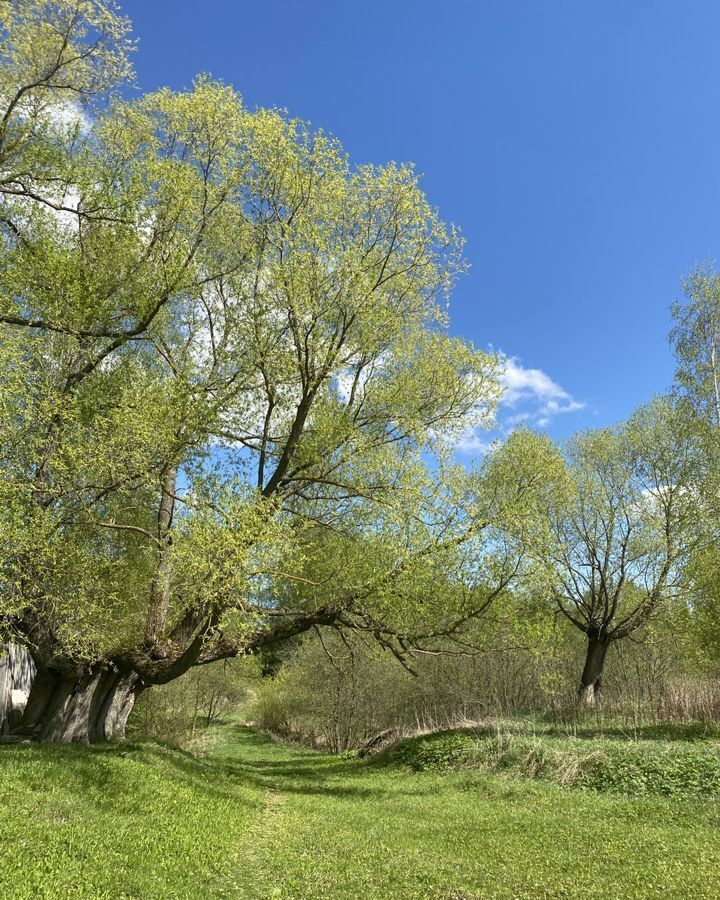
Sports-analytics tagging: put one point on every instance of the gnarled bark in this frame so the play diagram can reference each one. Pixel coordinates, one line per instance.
(89, 707)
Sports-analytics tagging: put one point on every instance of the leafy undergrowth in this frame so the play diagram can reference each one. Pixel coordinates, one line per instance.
(253, 819)
(669, 768)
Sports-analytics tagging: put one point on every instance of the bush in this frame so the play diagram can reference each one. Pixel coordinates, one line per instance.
(335, 694)
(668, 771)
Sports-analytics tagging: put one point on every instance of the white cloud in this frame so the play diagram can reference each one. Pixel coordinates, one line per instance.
(530, 397)
(68, 116)
(537, 388)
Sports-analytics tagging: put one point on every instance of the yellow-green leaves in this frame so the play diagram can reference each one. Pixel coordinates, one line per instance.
(72, 47)
(55, 57)
(695, 338)
(187, 285)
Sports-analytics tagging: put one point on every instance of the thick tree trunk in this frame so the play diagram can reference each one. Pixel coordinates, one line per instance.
(89, 708)
(591, 679)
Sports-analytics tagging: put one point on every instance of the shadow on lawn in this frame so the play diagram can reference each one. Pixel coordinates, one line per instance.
(247, 758)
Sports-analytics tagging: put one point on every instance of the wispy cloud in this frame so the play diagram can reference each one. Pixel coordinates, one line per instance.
(474, 443)
(530, 397)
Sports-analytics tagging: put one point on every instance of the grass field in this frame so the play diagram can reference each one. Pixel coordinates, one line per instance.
(255, 819)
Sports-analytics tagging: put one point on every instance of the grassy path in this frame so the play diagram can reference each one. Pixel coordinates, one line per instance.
(256, 820)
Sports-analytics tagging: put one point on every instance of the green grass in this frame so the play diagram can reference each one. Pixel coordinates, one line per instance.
(257, 820)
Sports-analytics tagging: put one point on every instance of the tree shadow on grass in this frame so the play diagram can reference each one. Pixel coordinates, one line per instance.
(310, 772)
(113, 773)
(246, 759)
(249, 759)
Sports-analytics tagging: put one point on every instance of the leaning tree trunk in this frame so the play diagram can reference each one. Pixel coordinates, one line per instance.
(592, 674)
(87, 708)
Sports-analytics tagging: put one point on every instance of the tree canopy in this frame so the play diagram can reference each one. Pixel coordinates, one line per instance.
(219, 340)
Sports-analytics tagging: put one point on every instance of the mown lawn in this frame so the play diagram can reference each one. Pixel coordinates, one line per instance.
(254, 819)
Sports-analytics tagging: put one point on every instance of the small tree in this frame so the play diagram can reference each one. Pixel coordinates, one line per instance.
(620, 528)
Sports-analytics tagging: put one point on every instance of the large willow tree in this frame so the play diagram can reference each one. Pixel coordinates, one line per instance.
(222, 364)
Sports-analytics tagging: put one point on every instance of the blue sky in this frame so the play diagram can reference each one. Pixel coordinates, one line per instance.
(576, 144)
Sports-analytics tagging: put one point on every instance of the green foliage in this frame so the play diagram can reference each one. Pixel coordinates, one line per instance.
(515, 661)
(668, 771)
(185, 711)
(332, 694)
(633, 768)
(210, 304)
(616, 525)
(695, 338)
